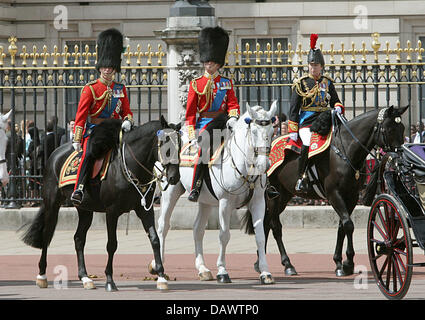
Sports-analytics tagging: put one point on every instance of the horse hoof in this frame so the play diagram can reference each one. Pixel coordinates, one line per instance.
(89, 285)
(162, 284)
(41, 283)
(151, 269)
(266, 279)
(290, 271)
(111, 287)
(339, 273)
(223, 278)
(348, 269)
(205, 276)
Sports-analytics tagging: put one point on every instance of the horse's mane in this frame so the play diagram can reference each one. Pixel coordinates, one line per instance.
(145, 130)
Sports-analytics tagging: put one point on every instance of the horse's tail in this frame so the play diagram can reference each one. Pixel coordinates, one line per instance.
(371, 188)
(33, 236)
(247, 224)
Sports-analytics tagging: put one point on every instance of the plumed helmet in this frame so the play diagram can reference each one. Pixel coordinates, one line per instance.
(213, 44)
(315, 55)
(109, 48)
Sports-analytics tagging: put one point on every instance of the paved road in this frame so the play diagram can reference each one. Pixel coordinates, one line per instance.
(310, 251)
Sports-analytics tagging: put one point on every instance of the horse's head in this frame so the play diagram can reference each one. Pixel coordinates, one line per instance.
(390, 129)
(4, 175)
(169, 145)
(257, 136)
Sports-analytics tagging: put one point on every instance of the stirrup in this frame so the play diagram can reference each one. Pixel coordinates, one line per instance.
(194, 195)
(77, 197)
(301, 185)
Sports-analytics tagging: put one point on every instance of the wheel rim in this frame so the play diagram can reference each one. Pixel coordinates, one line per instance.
(390, 248)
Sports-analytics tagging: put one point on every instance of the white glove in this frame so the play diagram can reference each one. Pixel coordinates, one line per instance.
(338, 109)
(194, 143)
(77, 146)
(231, 123)
(126, 126)
(293, 136)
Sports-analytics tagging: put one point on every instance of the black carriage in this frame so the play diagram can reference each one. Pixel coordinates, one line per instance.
(396, 221)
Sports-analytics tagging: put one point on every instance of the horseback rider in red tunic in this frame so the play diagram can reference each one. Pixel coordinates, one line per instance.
(100, 100)
(210, 96)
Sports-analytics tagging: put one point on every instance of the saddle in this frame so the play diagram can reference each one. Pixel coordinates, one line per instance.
(188, 155)
(282, 145)
(68, 173)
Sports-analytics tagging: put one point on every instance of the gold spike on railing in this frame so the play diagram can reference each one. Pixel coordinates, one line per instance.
(268, 53)
(149, 54)
(76, 55)
(398, 51)
(288, 52)
(332, 53)
(44, 55)
(139, 54)
(299, 52)
(376, 44)
(409, 51)
(387, 51)
(34, 55)
(2, 55)
(353, 52)
(258, 53)
(13, 49)
(128, 54)
(86, 55)
(247, 53)
(419, 50)
(65, 55)
(364, 51)
(24, 55)
(55, 55)
(159, 54)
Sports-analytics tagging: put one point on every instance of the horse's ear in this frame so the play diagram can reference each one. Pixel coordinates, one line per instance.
(403, 109)
(6, 116)
(164, 123)
(250, 111)
(273, 109)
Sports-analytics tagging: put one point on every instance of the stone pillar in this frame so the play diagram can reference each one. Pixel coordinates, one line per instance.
(186, 20)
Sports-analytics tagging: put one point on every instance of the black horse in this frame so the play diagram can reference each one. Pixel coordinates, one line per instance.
(129, 176)
(341, 173)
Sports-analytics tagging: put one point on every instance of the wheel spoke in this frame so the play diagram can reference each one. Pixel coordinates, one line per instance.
(380, 230)
(384, 223)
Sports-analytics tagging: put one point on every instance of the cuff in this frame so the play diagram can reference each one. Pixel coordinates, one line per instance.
(191, 132)
(292, 126)
(234, 113)
(78, 134)
(129, 117)
(338, 104)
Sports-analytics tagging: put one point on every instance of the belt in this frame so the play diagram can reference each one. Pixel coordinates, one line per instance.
(98, 120)
(210, 114)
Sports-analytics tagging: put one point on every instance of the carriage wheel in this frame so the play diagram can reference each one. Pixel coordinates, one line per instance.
(390, 247)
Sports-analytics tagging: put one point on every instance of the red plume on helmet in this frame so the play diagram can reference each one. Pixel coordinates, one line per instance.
(313, 40)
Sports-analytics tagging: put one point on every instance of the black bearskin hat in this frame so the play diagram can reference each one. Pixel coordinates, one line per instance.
(213, 44)
(109, 48)
(315, 55)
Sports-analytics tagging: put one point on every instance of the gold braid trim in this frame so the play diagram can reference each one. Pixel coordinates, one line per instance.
(106, 96)
(78, 135)
(208, 92)
(292, 126)
(191, 132)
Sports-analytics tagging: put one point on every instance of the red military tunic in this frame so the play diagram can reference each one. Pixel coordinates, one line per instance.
(209, 95)
(94, 102)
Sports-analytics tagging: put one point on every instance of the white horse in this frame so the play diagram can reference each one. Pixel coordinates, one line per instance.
(4, 175)
(238, 179)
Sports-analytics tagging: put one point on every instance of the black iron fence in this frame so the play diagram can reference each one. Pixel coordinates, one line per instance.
(40, 85)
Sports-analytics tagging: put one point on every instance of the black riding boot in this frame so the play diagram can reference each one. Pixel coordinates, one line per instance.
(197, 183)
(78, 194)
(302, 183)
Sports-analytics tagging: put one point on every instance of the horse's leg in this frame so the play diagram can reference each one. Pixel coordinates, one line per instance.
(111, 247)
(199, 226)
(49, 215)
(257, 208)
(224, 214)
(345, 228)
(148, 221)
(169, 199)
(85, 219)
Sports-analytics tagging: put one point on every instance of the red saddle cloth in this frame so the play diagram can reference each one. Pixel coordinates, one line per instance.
(281, 145)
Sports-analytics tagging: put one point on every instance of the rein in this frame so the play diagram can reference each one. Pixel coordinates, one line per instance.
(377, 129)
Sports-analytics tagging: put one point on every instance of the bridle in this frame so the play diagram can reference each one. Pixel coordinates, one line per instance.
(144, 188)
